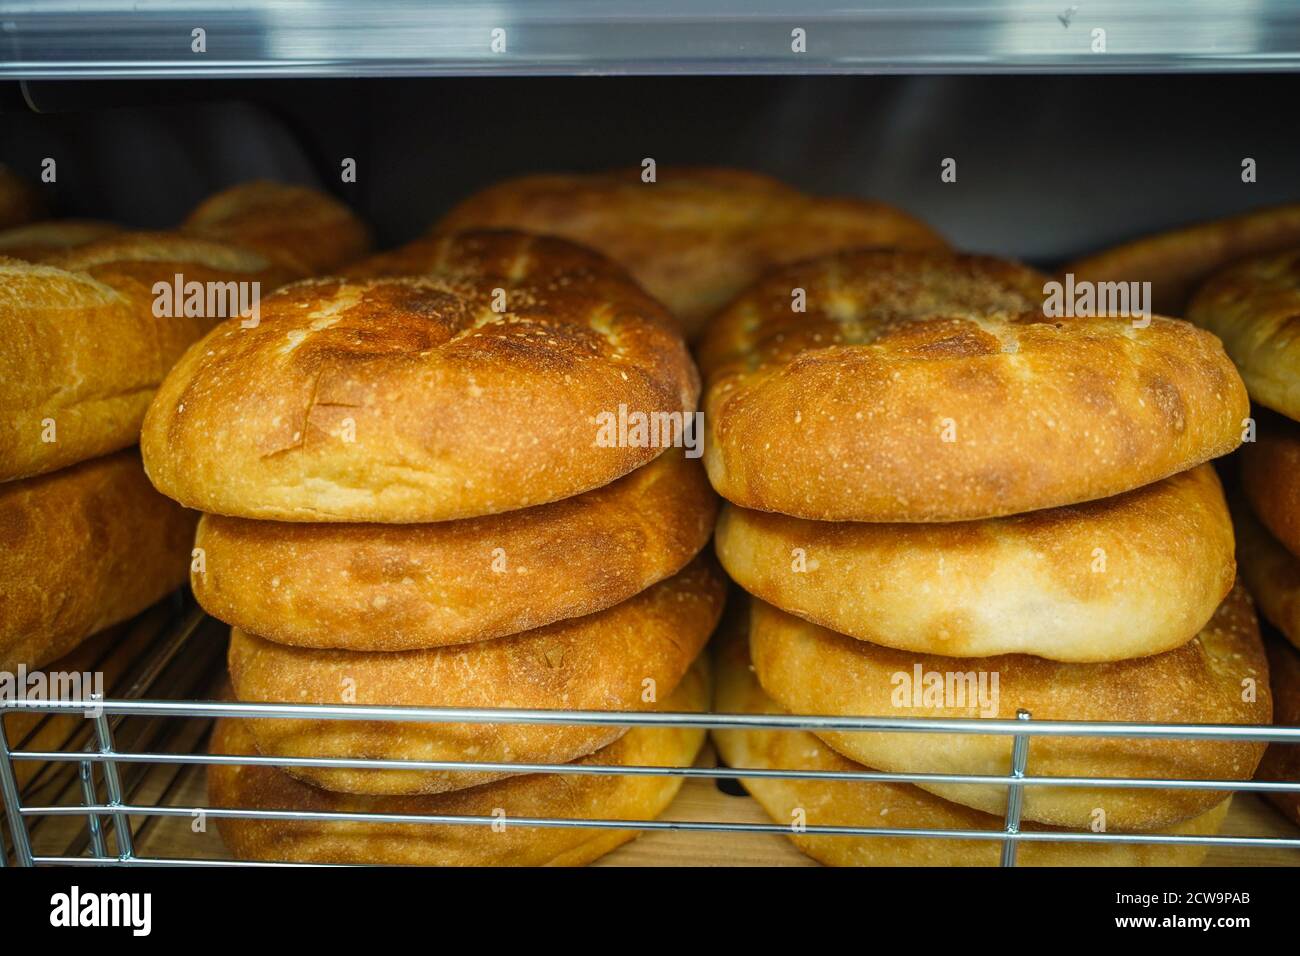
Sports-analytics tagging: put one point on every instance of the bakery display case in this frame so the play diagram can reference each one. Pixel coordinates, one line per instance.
(702, 434)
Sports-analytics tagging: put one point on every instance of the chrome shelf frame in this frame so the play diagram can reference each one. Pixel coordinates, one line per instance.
(61, 39)
(1023, 729)
(154, 640)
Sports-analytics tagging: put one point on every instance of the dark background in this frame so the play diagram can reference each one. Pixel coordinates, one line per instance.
(1048, 167)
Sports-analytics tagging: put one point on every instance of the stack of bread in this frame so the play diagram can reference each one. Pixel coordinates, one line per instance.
(1237, 278)
(405, 503)
(947, 505)
(1252, 305)
(87, 540)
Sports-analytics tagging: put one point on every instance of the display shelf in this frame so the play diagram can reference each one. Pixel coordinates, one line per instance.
(122, 38)
(172, 837)
(184, 666)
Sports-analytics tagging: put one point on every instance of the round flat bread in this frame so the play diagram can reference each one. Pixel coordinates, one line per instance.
(1178, 261)
(1123, 577)
(1282, 761)
(1270, 477)
(1253, 307)
(587, 796)
(1270, 572)
(387, 587)
(865, 804)
(930, 387)
(623, 658)
(403, 400)
(303, 229)
(1221, 677)
(696, 236)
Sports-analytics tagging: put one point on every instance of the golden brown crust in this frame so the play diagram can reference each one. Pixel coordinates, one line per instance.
(84, 548)
(37, 241)
(697, 236)
(1128, 576)
(1270, 477)
(598, 662)
(1254, 307)
(1282, 761)
(135, 260)
(513, 258)
(930, 387)
(592, 797)
(857, 804)
(82, 347)
(375, 587)
(809, 669)
(19, 200)
(303, 229)
(1176, 262)
(1270, 572)
(412, 399)
(54, 322)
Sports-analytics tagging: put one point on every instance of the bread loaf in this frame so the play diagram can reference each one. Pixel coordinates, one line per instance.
(568, 796)
(390, 587)
(81, 549)
(1282, 760)
(85, 345)
(623, 658)
(402, 400)
(1178, 261)
(696, 236)
(1252, 306)
(847, 803)
(1221, 677)
(1122, 577)
(1270, 477)
(931, 387)
(1271, 573)
(301, 229)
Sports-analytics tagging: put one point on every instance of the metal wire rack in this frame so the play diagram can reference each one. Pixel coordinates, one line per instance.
(114, 761)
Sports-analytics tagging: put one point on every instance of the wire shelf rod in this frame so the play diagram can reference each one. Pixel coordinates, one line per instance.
(705, 773)
(478, 715)
(331, 816)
